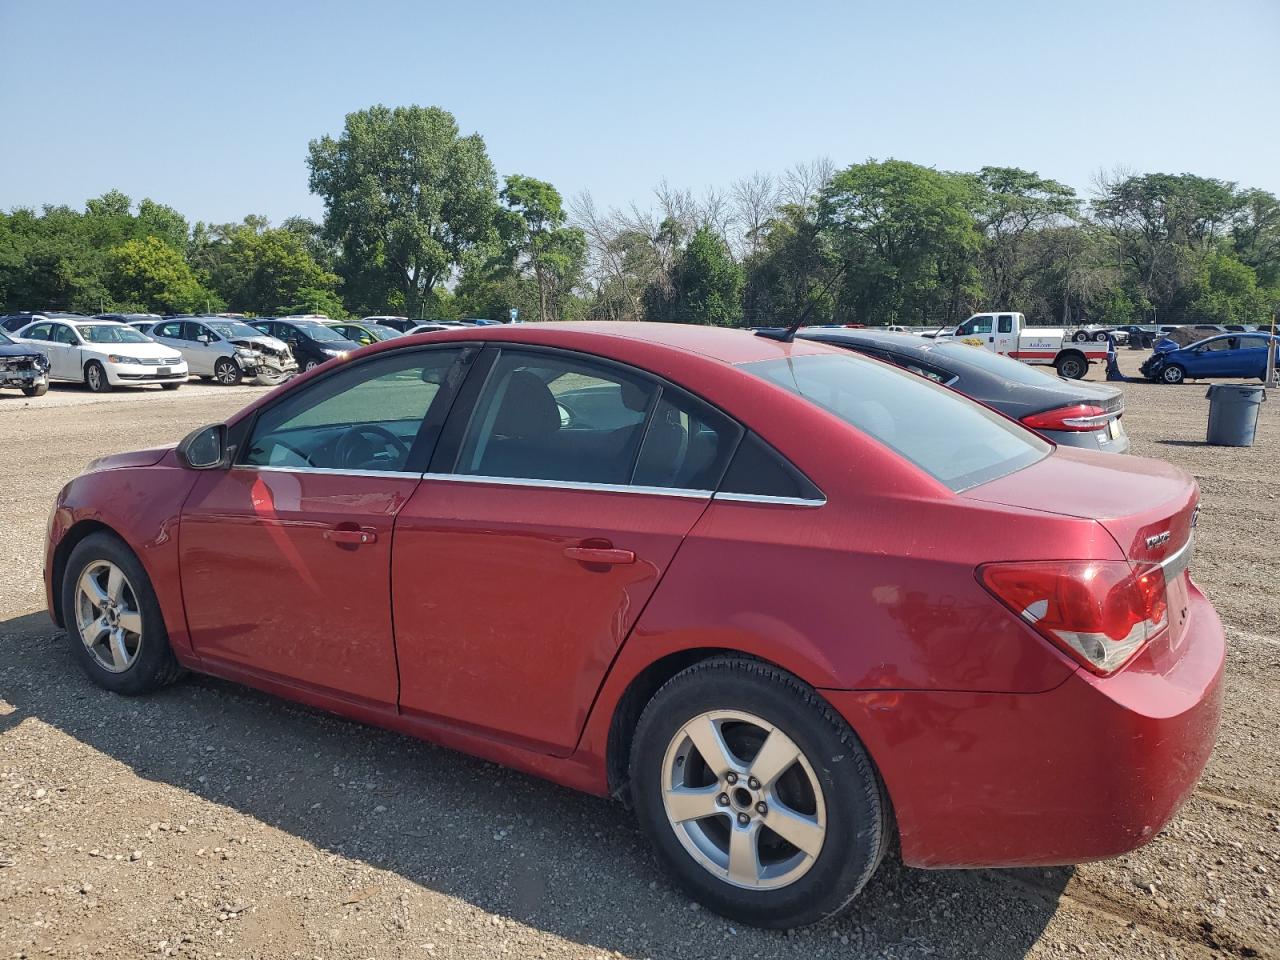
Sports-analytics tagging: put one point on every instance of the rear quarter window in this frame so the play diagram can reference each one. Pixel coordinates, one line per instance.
(957, 441)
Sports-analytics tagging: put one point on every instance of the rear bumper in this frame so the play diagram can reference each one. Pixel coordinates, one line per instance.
(1089, 770)
(1091, 440)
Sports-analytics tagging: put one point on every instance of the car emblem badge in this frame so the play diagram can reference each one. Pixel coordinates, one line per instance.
(1157, 540)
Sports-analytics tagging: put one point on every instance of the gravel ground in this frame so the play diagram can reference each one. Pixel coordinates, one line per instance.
(212, 821)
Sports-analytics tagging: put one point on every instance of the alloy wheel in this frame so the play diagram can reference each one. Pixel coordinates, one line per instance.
(95, 377)
(227, 373)
(743, 800)
(108, 617)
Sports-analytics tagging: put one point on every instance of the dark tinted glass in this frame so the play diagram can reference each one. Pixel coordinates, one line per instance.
(687, 445)
(759, 470)
(955, 440)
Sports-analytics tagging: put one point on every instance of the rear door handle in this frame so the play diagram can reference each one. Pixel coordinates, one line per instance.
(350, 535)
(599, 555)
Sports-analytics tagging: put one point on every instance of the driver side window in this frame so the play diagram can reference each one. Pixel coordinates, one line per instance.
(979, 325)
(63, 334)
(365, 417)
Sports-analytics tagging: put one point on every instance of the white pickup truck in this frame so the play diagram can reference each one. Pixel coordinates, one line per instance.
(1008, 335)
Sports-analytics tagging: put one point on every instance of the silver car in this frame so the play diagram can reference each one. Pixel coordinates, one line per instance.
(226, 349)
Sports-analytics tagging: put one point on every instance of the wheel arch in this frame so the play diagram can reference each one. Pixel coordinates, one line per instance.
(78, 532)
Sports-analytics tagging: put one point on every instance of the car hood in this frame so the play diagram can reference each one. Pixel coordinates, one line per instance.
(262, 341)
(17, 350)
(132, 458)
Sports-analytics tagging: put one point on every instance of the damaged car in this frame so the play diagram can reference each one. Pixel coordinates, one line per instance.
(227, 350)
(23, 368)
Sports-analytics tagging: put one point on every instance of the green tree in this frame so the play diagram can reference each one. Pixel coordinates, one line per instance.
(151, 275)
(544, 246)
(906, 239)
(707, 283)
(1014, 206)
(405, 196)
(271, 270)
(786, 275)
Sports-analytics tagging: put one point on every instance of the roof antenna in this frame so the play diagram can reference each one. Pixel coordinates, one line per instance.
(788, 334)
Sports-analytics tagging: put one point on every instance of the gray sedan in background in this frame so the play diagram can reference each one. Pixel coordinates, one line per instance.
(1069, 412)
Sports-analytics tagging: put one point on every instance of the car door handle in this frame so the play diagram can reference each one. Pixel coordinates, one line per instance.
(350, 535)
(600, 555)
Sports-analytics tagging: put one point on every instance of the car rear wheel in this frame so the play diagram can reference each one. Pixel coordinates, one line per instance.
(113, 618)
(1173, 374)
(227, 372)
(95, 377)
(757, 797)
(1072, 367)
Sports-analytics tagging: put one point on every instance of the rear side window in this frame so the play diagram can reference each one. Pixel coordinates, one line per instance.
(687, 445)
(758, 470)
(958, 442)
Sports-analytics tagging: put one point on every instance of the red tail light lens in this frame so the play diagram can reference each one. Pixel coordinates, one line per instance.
(1078, 418)
(1101, 612)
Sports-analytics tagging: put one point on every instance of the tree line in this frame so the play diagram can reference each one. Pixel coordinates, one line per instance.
(416, 222)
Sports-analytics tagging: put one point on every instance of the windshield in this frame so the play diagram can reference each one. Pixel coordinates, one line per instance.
(111, 333)
(955, 440)
(5, 338)
(232, 328)
(381, 332)
(318, 331)
(1008, 369)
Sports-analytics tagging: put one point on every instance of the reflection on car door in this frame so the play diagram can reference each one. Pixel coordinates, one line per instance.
(206, 355)
(286, 557)
(525, 557)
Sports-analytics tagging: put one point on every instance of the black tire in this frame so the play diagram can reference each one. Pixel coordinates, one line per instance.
(95, 377)
(1081, 336)
(227, 372)
(1173, 374)
(857, 810)
(310, 365)
(1100, 336)
(39, 390)
(170, 386)
(154, 665)
(1073, 366)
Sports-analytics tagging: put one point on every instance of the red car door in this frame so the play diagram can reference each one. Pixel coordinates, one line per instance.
(520, 565)
(286, 557)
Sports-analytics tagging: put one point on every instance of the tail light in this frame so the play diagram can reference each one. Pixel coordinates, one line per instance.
(1077, 418)
(1101, 612)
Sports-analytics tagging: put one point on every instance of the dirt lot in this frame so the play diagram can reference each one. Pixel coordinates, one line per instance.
(211, 821)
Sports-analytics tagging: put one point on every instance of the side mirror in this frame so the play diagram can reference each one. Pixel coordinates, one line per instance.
(204, 449)
(205, 338)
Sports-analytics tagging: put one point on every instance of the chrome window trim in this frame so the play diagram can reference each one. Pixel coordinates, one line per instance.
(333, 471)
(765, 498)
(573, 485)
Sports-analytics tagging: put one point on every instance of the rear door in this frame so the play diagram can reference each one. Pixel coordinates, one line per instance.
(559, 495)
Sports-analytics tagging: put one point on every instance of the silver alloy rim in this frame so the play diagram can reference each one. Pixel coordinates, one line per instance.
(229, 373)
(757, 823)
(108, 617)
(311, 365)
(95, 377)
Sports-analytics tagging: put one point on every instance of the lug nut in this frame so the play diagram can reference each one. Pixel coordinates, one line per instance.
(731, 777)
(753, 783)
(762, 808)
(743, 819)
(723, 799)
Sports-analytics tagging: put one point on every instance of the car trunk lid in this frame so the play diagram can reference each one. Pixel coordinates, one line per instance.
(1149, 508)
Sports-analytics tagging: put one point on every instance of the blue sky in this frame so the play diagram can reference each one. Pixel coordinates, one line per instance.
(209, 106)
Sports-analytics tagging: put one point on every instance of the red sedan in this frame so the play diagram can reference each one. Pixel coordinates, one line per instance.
(785, 599)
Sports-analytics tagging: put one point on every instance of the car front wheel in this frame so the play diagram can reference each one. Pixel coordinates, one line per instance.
(1173, 374)
(227, 372)
(95, 377)
(39, 390)
(757, 797)
(113, 618)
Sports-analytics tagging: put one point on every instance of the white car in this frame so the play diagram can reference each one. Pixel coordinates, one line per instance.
(103, 354)
(225, 349)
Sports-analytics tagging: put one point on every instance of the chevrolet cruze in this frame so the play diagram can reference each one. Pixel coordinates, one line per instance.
(785, 600)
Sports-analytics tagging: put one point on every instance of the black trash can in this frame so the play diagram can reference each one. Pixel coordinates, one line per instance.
(1233, 413)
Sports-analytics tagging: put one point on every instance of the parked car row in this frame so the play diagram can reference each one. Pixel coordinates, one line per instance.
(169, 350)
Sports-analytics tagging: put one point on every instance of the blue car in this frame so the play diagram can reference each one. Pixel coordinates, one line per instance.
(1232, 355)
